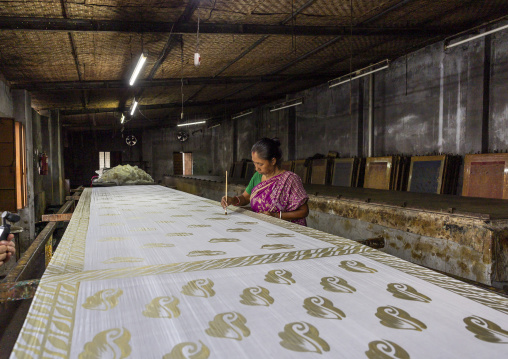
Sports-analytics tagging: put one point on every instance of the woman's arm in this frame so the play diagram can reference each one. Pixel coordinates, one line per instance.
(300, 212)
(241, 200)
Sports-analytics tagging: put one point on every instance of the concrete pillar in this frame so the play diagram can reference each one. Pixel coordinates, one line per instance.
(55, 160)
(22, 106)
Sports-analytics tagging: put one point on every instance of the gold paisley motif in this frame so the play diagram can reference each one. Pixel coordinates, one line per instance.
(158, 245)
(162, 307)
(181, 215)
(279, 235)
(303, 337)
(205, 253)
(279, 276)
(189, 350)
(179, 234)
(163, 222)
(404, 291)
(217, 218)
(246, 223)
(256, 296)
(143, 229)
(123, 260)
(153, 212)
(229, 325)
(486, 330)
(357, 267)
(238, 230)
(198, 225)
(336, 284)
(103, 300)
(111, 224)
(397, 318)
(112, 343)
(277, 246)
(385, 349)
(221, 240)
(136, 217)
(109, 214)
(323, 308)
(113, 239)
(199, 288)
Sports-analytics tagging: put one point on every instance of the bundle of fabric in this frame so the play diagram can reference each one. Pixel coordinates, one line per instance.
(125, 175)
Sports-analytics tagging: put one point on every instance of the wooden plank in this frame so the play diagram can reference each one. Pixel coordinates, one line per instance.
(18, 290)
(63, 217)
(72, 198)
(23, 267)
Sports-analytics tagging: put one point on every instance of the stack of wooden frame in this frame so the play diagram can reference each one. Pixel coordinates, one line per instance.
(434, 174)
(486, 176)
(302, 171)
(345, 172)
(388, 173)
(320, 172)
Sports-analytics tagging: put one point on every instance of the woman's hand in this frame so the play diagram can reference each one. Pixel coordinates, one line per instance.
(226, 201)
(271, 214)
(7, 249)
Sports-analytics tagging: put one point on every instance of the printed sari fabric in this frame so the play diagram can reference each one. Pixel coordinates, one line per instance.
(283, 192)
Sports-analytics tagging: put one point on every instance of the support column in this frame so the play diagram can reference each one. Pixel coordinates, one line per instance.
(370, 150)
(486, 93)
(22, 105)
(291, 134)
(360, 137)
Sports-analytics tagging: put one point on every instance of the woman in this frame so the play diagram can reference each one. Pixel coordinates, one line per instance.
(272, 190)
(7, 249)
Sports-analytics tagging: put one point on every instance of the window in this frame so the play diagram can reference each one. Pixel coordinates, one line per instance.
(104, 160)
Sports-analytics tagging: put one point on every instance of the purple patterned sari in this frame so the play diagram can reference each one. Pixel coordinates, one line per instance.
(283, 192)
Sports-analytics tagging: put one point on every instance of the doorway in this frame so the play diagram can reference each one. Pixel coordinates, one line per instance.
(182, 163)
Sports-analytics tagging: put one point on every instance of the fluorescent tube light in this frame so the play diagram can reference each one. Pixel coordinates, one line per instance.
(241, 114)
(359, 73)
(134, 105)
(449, 46)
(137, 69)
(213, 126)
(122, 120)
(287, 104)
(191, 123)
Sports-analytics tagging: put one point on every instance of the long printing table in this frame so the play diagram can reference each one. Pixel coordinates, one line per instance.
(151, 272)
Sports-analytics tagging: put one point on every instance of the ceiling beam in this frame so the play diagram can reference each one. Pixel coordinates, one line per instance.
(70, 112)
(188, 81)
(179, 28)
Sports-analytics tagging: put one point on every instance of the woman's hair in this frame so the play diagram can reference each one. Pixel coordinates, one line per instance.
(268, 148)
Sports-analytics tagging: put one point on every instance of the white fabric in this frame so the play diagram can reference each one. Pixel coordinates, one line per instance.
(139, 226)
(445, 335)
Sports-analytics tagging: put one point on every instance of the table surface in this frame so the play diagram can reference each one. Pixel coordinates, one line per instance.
(151, 272)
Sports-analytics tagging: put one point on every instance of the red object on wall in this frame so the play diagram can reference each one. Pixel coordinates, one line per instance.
(43, 164)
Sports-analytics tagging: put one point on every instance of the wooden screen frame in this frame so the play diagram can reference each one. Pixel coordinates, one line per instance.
(307, 169)
(327, 167)
(372, 160)
(344, 160)
(8, 200)
(491, 157)
(291, 165)
(441, 158)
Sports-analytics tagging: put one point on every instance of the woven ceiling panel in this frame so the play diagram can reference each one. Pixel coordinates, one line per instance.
(126, 10)
(27, 8)
(22, 58)
(217, 92)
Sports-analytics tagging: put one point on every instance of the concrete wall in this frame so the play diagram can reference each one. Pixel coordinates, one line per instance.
(429, 101)
(6, 108)
(81, 153)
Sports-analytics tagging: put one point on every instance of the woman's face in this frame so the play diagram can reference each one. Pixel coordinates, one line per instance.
(263, 166)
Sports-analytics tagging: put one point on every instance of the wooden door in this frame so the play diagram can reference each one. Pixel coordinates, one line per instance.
(8, 201)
